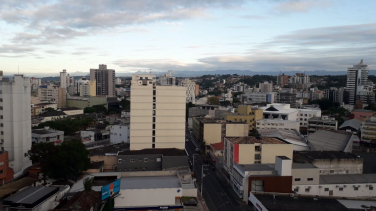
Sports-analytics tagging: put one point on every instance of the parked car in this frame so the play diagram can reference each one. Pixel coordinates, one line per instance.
(190, 202)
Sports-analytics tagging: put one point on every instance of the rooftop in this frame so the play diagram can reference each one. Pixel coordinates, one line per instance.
(255, 167)
(109, 150)
(254, 140)
(303, 166)
(347, 178)
(70, 109)
(45, 131)
(322, 119)
(287, 135)
(30, 197)
(353, 123)
(150, 182)
(162, 151)
(52, 113)
(287, 203)
(14, 186)
(218, 146)
(309, 156)
(326, 140)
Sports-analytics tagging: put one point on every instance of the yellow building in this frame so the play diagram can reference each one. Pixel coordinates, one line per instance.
(157, 117)
(213, 130)
(251, 150)
(246, 114)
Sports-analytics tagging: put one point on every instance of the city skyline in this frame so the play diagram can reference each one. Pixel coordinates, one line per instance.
(290, 35)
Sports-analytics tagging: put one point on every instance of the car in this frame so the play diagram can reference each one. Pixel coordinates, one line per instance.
(190, 202)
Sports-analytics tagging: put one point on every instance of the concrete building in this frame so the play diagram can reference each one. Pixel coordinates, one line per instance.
(107, 155)
(167, 79)
(266, 87)
(213, 131)
(47, 135)
(331, 162)
(48, 93)
(197, 90)
(15, 121)
(6, 172)
(357, 76)
(274, 177)
(72, 111)
(334, 94)
(325, 140)
(258, 97)
(286, 98)
(63, 79)
(277, 124)
(246, 114)
(62, 98)
(119, 134)
(190, 87)
(361, 114)
(89, 101)
(35, 83)
(251, 150)
(157, 114)
(322, 123)
(118, 81)
(282, 80)
(351, 125)
(152, 159)
(86, 87)
(104, 79)
(299, 78)
(51, 115)
(368, 128)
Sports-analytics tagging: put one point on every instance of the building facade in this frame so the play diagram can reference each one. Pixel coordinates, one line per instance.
(357, 76)
(157, 117)
(190, 87)
(63, 79)
(15, 121)
(277, 124)
(104, 79)
(322, 123)
(119, 134)
(368, 128)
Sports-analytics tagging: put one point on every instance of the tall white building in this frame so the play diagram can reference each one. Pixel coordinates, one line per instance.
(357, 76)
(190, 87)
(85, 87)
(63, 79)
(105, 80)
(299, 78)
(157, 117)
(266, 87)
(15, 121)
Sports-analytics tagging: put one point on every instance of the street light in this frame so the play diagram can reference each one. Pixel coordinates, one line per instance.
(202, 179)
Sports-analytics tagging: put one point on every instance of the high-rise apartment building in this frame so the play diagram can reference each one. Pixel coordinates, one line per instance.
(282, 80)
(85, 87)
(157, 117)
(15, 121)
(63, 79)
(266, 87)
(167, 79)
(105, 80)
(48, 93)
(357, 77)
(190, 87)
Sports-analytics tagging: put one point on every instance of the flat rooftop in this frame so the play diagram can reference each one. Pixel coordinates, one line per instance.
(108, 150)
(309, 156)
(303, 166)
(255, 167)
(255, 140)
(162, 151)
(287, 135)
(150, 182)
(325, 140)
(44, 131)
(347, 178)
(287, 203)
(322, 119)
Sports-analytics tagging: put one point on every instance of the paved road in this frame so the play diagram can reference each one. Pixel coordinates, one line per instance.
(218, 194)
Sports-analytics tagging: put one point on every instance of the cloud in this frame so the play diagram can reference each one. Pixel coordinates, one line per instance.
(299, 6)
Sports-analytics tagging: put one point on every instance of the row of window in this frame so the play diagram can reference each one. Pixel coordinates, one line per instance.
(356, 188)
(145, 160)
(308, 179)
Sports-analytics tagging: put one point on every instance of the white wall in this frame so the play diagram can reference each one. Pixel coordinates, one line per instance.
(119, 134)
(348, 191)
(147, 197)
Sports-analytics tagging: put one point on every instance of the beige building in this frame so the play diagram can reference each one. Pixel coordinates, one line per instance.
(62, 98)
(105, 80)
(252, 150)
(157, 117)
(246, 114)
(48, 93)
(88, 89)
(213, 130)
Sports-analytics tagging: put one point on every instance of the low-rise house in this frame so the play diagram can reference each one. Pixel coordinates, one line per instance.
(216, 154)
(6, 172)
(47, 134)
(107, 155)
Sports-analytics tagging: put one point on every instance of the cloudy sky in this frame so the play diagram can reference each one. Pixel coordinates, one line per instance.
(43, 36)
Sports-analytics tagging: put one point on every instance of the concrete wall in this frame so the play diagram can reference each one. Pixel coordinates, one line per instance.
(339, 166)
(270, 151)
(119, 134)
(174, 161)
(137, 163)
(247, 153)
(348, 191)
(110, 161)
(147, 197)
(304, 174)
(236, 130)
(77, 103)
(212, 133)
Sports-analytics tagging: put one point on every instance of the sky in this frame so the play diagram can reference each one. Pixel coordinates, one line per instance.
(43, 36)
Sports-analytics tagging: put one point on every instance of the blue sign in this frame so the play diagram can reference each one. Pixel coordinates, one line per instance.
(110, 189)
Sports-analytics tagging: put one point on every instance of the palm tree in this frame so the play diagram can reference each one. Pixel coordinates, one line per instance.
(88, 184)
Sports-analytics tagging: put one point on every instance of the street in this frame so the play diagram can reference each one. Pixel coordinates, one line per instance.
(217, 193)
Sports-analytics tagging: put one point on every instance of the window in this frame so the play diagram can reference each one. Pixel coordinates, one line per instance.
(158, 159)
(257, 157)
(2, 132)
(154, 92)
(297, 179)
(296, 189)
(257, 148)
(356, 188)
(307, 189)
(347, 171)
(1, 125)
(370, 188)
(120, 160)
(331, 171)
(145, 160)
(153, 132)
(132, 160)
(1, 171)
(1, 107)
(326, 189)
(140, 159)
(1, 117)
(340, 189)
(309, 179)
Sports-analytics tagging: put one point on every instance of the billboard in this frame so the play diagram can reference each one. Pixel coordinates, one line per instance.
(110, 190)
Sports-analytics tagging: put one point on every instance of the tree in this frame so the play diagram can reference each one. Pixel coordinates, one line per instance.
(68, 125)
(88, 184)
(61, 162)
(225, 103)
(89, 110)
(125, 104)
(49, 109)
(212, 101)
(100, 108)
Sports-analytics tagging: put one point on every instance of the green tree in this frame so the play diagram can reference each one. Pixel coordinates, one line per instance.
(125, 104)
(68, 125)
(61, 162)
(89, 110)
(212, 101)
(88, 184)
(49, 109)
(100, 108)
(225, 103)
